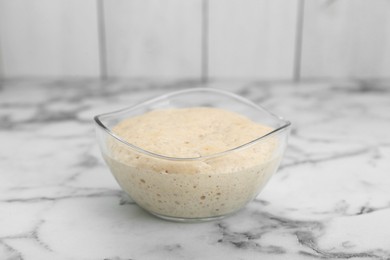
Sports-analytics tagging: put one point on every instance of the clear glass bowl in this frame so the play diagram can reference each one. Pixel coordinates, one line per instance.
(231, 179)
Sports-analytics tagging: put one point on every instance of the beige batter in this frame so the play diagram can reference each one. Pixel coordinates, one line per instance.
(207, 186)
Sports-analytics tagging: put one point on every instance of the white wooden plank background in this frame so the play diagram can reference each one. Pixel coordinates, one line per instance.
(164, 38)
(48, 38)
(252, 38)
(346, 39)
(153, 38)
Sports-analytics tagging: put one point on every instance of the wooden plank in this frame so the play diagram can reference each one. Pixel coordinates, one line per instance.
(344, 39)
(49, 38)
(153, 38)
(252, 38)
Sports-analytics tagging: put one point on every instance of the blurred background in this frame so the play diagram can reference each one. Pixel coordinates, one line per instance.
(291, 40)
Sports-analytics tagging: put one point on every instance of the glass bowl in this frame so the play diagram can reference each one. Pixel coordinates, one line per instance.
(197, 188)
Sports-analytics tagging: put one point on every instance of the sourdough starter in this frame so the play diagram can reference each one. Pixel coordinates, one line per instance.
(207, 184)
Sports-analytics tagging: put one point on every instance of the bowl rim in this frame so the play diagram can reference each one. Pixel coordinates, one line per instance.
(285, 126)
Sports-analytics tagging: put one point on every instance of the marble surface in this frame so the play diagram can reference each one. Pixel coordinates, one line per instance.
(330, 199)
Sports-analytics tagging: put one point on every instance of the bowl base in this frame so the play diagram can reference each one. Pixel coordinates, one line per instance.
(189, 220)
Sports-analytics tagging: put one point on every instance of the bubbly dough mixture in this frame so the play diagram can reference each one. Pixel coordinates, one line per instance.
(204, 187)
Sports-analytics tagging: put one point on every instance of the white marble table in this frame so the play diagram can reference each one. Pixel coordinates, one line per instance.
(330, 199)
